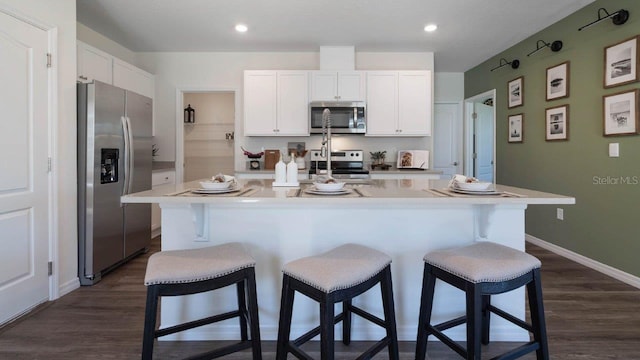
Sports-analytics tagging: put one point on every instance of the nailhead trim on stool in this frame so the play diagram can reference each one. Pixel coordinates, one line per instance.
(336, 276)
(185, 272)
(481, 270)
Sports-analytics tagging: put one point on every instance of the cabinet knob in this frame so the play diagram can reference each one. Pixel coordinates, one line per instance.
(455, 163)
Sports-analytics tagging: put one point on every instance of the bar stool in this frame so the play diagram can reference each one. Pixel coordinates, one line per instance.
(337, 276)
(184, 272)
(481, 270)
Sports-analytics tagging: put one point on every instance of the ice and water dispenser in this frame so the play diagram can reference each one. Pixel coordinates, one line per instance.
(108, 166)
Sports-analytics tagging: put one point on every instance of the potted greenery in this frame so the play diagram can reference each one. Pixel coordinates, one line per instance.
(377, 157)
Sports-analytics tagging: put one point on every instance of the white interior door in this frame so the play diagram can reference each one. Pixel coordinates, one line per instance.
(484, 142)
(24, 178)
(447, 138)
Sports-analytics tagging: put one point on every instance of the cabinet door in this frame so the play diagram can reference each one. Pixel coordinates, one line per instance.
(260, 103)
(132, 78)
(94, 64)
(351, 86)
(382, 102)
(293, 103)
(414, 103)
(324, 85)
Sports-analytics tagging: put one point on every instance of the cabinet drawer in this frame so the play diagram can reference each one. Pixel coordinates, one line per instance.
(163, 177)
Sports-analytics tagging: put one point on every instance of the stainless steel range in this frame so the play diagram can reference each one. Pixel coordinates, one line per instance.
(345, 164)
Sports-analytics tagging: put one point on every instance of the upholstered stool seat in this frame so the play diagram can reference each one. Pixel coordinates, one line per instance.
(184, 272)
(481, 270)
(338, 275)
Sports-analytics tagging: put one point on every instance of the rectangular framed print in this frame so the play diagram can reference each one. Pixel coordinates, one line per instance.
(621, 113)
(558, 81)
(516, 128)
(621, 63)
(557, 123)
(515, 91)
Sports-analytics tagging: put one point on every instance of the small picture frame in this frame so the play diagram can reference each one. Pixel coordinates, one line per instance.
(621, 63)
(515, 91)
(558, 81)
(621, 113)
(516, 128)
(557, 123)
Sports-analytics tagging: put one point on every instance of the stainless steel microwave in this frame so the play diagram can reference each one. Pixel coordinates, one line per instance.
(346, 117)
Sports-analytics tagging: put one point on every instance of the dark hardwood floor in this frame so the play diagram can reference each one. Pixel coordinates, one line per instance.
(589, 317)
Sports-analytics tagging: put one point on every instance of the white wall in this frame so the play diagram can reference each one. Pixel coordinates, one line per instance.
(449, 87)
(61, 14)
(225, 71)
(97, 40)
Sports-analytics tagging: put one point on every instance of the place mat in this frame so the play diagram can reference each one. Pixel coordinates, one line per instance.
(237, 193)
(353, 192)
(446, 192)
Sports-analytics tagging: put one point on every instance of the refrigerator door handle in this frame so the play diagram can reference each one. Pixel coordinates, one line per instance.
(131, 156)
(127, 155)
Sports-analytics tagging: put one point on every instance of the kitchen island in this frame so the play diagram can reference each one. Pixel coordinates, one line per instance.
(404, 218)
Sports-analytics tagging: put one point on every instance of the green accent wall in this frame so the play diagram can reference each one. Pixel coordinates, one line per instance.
(604, 223)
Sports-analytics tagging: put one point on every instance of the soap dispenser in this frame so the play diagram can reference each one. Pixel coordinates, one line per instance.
(281, 171)
(292, 170)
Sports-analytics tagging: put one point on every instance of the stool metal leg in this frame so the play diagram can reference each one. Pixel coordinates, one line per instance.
(536, 308)
(327, 329)
(486, 319)
(242, 308)
(474, 321)
(150, 315)
(286, 312)
(424, 319)
(346, 322)
(386, 286)
(254, 322)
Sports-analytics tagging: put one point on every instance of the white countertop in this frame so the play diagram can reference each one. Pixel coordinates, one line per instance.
(406, 192)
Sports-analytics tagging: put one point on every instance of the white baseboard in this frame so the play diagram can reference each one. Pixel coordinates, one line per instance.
(590, 263)
(68, 287)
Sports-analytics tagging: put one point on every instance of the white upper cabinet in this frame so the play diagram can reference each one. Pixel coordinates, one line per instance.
(132, 78)
(399, 103)
(338, 86)
(276, 103)
(94, 64)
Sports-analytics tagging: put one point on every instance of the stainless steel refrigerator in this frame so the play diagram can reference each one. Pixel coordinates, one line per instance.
(114, 159)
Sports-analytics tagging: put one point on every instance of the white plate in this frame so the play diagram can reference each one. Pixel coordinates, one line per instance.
(335, 186)
(473, 186)
(469, 192)
(314, 191)
(216, 191)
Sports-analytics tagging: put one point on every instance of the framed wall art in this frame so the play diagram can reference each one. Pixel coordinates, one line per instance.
(515, 91)
(557, 123)
(516, 128)
(558, 81)
(621, 63)
(621, 113)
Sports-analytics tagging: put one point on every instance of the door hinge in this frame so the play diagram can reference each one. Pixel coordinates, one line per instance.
(49, 165)
(50, 268)
(48, 60)
(474, 116)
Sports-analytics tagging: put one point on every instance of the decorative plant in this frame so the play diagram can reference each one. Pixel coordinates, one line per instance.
(378, 157)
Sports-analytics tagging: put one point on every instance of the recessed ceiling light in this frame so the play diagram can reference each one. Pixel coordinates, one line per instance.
(430, 28)
(241, 28)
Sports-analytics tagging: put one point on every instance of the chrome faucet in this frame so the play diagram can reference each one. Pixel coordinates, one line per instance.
(326, 138)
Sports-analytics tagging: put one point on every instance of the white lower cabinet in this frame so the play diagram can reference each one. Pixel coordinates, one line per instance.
(159, 178)
(399, 103)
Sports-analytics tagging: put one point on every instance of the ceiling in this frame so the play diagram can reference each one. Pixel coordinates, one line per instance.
(469, 31)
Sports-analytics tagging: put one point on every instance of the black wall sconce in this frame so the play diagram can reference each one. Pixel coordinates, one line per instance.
(554, 46)
(515, 63)
(189, 115)
(619, 17)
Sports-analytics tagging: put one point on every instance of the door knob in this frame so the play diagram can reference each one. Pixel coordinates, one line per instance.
(455, 163)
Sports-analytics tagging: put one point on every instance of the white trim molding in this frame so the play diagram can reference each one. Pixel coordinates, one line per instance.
(590, 263)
